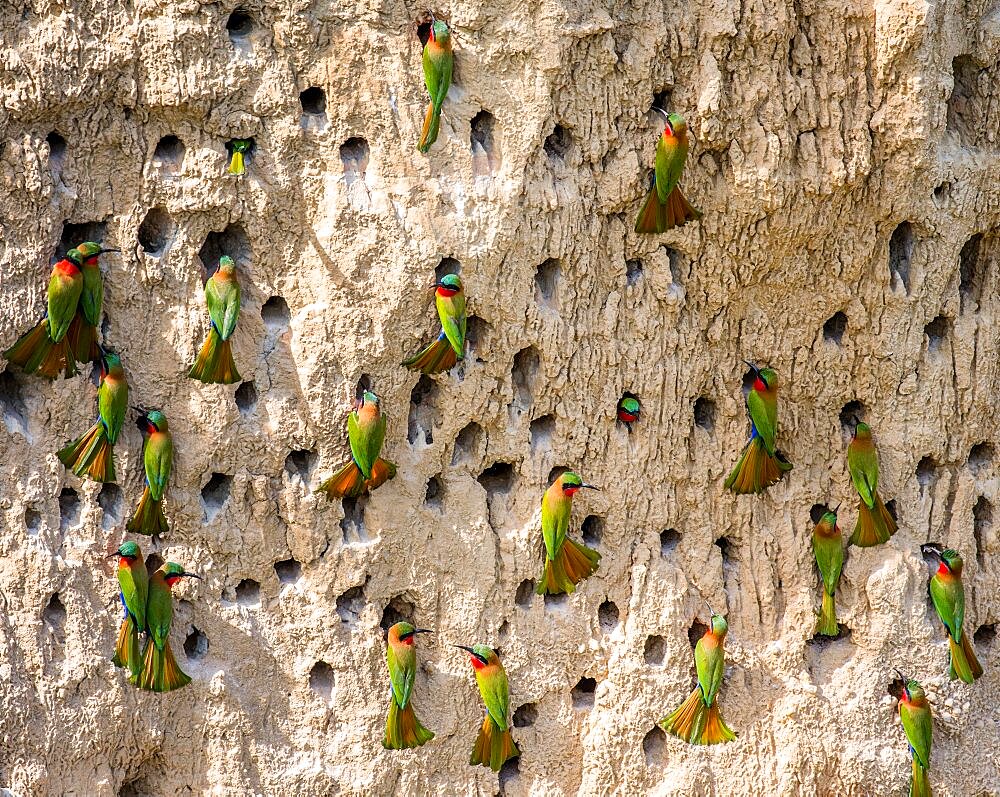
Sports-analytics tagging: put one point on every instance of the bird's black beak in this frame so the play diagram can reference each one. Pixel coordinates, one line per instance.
(836, 508)
(467, 649)
(932, 548)
(192, 575)
(114, 555)
(754, 368)
(423, 630)
(590, 487)
(102, 251)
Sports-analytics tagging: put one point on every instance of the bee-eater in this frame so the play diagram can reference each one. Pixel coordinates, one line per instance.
(915, 714)
(875, 525)
(761, 464)
(93, 453)
(365, 470)
(666, 206)
(160, 671)
(83, 331)
(402, 728)
(829, 553)
(494, 744)
(45, 348)
(157, 458)
(134, 583)
(449, 347)
(215, 363)
(698, 720)
(240, 147)
(948, 596)
(438, 61)
(629, 409)
(567, 563)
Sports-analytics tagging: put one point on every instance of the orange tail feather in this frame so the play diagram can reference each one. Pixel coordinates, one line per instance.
(382, 471)
(756, 470)
(433, 359)
(35, 352)
(688, 720)
(148, 517)
(83, 339)
(716, 731)
(160, 671)
(127, 647)
(875, 526)
(493, 746)
(429, 133)
(348, 482)
(573, 563)
(402, 728)
(679, 210)
(90, 455)
(970, 656)
(215, 364)
(652, 217)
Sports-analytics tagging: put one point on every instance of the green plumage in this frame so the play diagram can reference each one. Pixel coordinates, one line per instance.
(160, 672)
(948, 596)
(763, 409)
(92, 295)
(451, 311)
(112, 398)
(915, 714)
(671, 155)
(449, 347)
(438, 61)
(492, 682)
(63, 295)
(222, 295)
(862, 462)
(366, 436)
(158, 455)
(556, 511)
(829, 553)
(710, 662)
(133, 581)
(402, 661)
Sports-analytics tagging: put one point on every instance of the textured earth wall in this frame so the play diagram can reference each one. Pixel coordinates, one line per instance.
(846, 158)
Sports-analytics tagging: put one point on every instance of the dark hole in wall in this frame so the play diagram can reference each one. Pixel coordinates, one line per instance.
(12, 407)
(982, 525)
(75, 234)
(424, 29)
(246, 397)
(364, 383)
(153, 562)
(215, 494)
(937, 332)
(321, 679)
(423, 400)
(351, 604)
(54, 614)
(541, 431)
(942, 192)
(704, 413)
(654, 747)
(985, 634)
(662, 100)
(509, 774)
(655, 650)
(239, 25)
(110, 501)
(748, 379)
(288, 571)
(555, 602)
(497, 479)
(669, 540)
(633, 271)
(972, 272)
(556, 472)
(169, 153)
(980, 457)
(57, 149)
(817, 512)
(32, 521)
(484, 140)
(248, 154)
(398, 610)
(275, 314)
(248, 592)
(926, 472)
(901, 244)
(476, 331)
(448, 265)
(558, 143)
(434, 494)
(354, 154)
(525, 593)
(69, 508)
(592, 530)
(524, 373)
(300, 463)
(835, 327)
(547, 278)
(313, 101)
(850, 414)
(232, 241)
(891, 509)
(352, 525)
(525, 716)
(195, 644)
(608, 616)
(678, 265)
(819, 642)
(467, 443)
(583, 693)
(697, 630)
(965, 105)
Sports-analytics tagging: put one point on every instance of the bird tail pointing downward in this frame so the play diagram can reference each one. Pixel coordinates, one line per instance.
(148, 517)
(493, 746)
(573, 563)
(964, 664)
(127, 647)
(402, 728)
(432, 123)
(215, 364)
(91, 455)
(827, 625)
(757, 469)
(433, 359)
(35, 352)
(920, 785)
(875, 525)
(160, 671)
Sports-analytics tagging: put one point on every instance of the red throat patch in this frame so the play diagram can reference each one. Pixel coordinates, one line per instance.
(476, 662)
(446, 292)
(570, 490)
(759, 385)
(943, 570)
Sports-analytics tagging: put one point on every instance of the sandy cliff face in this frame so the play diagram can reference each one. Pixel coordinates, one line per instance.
(846, 159)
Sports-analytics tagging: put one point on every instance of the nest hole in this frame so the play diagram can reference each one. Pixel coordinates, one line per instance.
(215, 494)
(835, 327)
(195, 644)
(398, 610)
(313, 101)
(525, 593)
(420, 421)
(169, 153)
(350, 605)
(655, 650)
(69, 508)
(669, 540)
(901, 244)
(354, 155)
(288, 571)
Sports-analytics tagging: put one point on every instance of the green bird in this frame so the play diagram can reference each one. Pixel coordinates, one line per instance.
(628, 409)
(402, 728)
(215, 364)
(157, 459)
(915, 714)
(666, 206)
(45, 349)
(83, 331)
(829, 553)
(875, 525)
(948, 596)
(160, 671)
(494, 744)
(567, 563)
(438, 62)
(365, 470)
(93, 454)
(133, 581)
(449, 347)
(240, 148)
(698, 720)
(761, 464)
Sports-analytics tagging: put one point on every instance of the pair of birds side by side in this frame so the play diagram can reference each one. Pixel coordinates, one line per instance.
(494, 744)
(148, 613)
